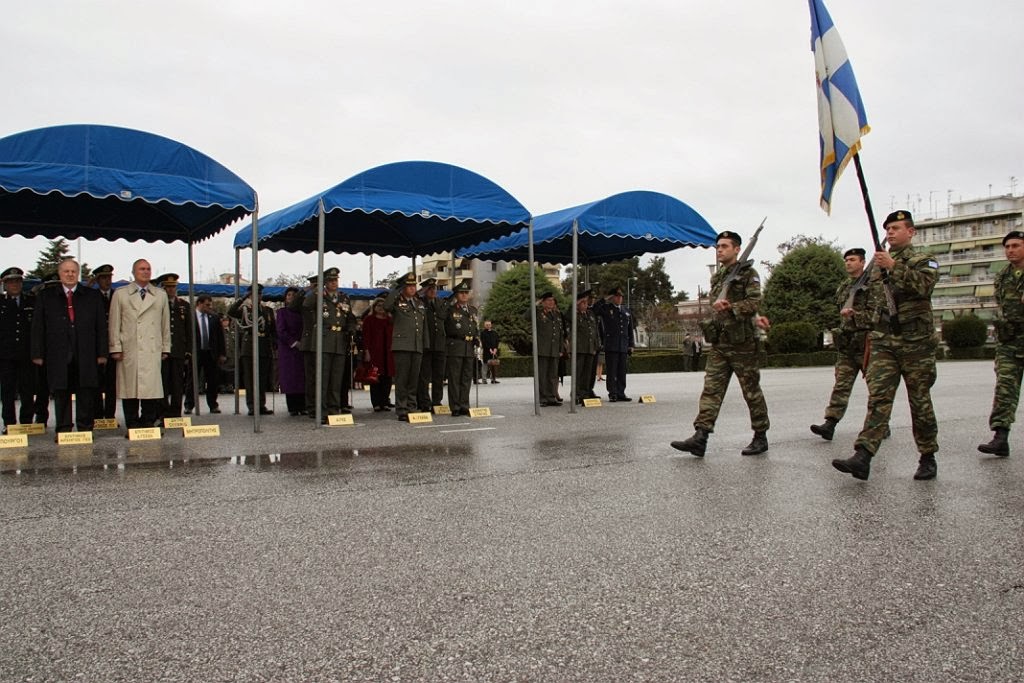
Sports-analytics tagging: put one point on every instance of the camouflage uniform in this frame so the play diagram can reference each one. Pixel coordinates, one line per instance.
(849, 338)
(1009, 363)
(910, 355)
(734, 349)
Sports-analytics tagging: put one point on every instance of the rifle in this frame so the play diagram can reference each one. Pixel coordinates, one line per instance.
(861, 283)
(743, 261)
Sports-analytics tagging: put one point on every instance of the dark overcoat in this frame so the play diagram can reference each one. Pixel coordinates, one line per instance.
(58, 342)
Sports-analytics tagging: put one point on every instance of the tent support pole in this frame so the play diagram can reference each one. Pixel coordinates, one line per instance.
(255, 296)
(236, 371)
(193, 365)
(321, 224)
(533, 319)
(575, 292)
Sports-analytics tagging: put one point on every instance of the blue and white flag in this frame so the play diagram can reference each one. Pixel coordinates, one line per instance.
(841, 117)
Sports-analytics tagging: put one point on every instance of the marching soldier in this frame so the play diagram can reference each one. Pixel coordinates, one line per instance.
(266, 329)
(106, 402)
(1009, 362)
(407, 341)
(850, 339)
(901, 347)
(587, 344)
(339, 326)
(732, 332)
(462, 335)
(430, 391)
(550, 346)
(173, 366)
(19, 377)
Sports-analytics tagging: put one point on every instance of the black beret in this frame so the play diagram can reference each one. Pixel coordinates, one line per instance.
(1013, 235)
(729, 235)
(856, 251)
(898, 216)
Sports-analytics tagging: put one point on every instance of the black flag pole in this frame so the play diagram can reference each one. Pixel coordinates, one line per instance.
(890, 300)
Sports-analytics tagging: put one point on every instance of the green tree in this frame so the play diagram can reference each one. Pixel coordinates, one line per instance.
(508, 305)
(802, 285)
(50, 257)
(389, 280)
(284, 280)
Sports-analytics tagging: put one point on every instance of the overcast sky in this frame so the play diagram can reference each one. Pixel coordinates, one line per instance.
(560, 103)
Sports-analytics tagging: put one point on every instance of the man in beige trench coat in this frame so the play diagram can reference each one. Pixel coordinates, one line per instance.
(140, 338)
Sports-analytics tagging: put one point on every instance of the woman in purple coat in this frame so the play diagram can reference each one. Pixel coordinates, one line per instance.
(290, 368)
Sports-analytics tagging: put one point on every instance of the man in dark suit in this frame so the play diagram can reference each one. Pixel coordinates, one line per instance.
(106, 406)
(617, 333)
(211, 351)
(69, 339)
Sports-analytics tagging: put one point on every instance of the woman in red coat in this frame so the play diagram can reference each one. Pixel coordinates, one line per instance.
(377, 350)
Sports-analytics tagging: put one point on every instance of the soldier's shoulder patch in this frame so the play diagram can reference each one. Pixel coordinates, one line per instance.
(932, 263)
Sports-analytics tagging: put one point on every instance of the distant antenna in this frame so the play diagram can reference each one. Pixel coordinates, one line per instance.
(1013, 186)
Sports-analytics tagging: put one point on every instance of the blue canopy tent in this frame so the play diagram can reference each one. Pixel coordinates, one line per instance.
(104, 182)
(408, 208)
(611, 229)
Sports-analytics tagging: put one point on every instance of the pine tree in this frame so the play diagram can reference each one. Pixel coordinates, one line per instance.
(50, 257)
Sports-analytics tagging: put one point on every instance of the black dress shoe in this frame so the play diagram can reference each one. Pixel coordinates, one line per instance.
(403, 418)
(214, 411)
(377, 409)
(293, 413)
(347, 407)
(266, 411)
(612, 399)
(624, 398)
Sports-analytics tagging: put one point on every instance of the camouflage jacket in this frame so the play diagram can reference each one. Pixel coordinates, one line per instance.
(911, 280)
(735, 326)
(1009, 289)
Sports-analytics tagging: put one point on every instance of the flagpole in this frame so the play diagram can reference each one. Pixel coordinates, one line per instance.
(890, 299)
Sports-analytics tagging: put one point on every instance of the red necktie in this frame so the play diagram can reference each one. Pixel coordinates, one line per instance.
(71, 306)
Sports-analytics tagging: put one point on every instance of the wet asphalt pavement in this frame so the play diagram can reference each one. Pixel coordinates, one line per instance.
(521, 548)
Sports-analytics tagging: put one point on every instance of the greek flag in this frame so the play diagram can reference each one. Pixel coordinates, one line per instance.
(841, 117)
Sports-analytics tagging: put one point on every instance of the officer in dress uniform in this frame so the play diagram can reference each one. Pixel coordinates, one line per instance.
(106, 402)
(266, 329)
(173, 367)
(339, 326)
(430, 391)
(587, 344)
(617, 333)
(407, 342)
(20, 378)
(550, 346)
(1009, 361)
(462, 336)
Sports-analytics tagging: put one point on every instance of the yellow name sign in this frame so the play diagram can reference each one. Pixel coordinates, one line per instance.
(14, 441)
(201, 431)
(479, 412)
(177, 422)
(105, 423)
(591, 403)
(442, 410)
(26, 429)
(648, 398)
(420, 418)
(68, 438)
(340, 420)
(144, 434)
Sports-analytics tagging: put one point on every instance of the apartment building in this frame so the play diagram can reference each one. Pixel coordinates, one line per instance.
(968, 247)
(481, 274)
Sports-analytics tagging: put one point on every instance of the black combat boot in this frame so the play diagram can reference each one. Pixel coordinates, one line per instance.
(858, 465)
(758, 445)
(826, 429)
(696, 444)
(927, 468)
(998, 445)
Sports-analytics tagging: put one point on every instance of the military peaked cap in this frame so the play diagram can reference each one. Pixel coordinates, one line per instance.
(584, 294)
(615, 291)
(12, 273)
(429, 282)
(462, 287)
(407, 279)
(105, 269)
(167, 279)
(331, 273)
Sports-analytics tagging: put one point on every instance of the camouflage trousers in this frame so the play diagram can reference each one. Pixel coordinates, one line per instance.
(722, 363)
(892, 359)
(847, 369)
(1009, 369)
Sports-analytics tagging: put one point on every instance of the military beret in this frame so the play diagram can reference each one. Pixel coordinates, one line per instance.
(407, 279)
(898, 216)
(105, 269)
(12, 273)
(1012, 235)
(615, 291)
(331, 273)
(584, 294)
(729, 235)
(429, 282)
(167, 279)
(856, 251)
(462, 287)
